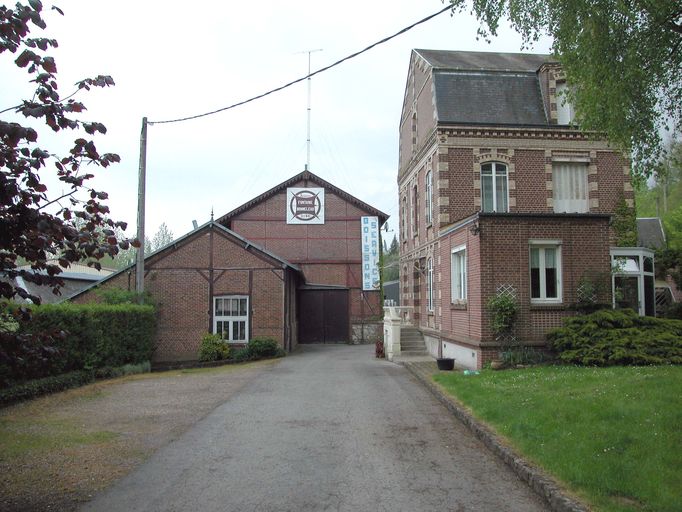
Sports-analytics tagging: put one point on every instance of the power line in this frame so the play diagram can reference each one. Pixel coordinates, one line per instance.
(309, 75)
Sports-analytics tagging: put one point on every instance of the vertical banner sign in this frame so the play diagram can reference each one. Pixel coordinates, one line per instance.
(370, 253)
(305, 206)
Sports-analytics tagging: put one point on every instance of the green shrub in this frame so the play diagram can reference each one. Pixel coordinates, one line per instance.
(213, 348)
(503, 310)
(263, 347)
(617, 337)
(38, 387)
(674, 310)
(241, 355)
(61, 338)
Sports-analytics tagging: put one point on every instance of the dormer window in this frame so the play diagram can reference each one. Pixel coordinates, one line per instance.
(494, 187)
(565, 110)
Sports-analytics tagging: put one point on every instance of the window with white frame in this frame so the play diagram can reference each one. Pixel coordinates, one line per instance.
(564, 109)
(231, 318)
(494, 187)
(569, 181)
(429, 284)
(458, 275)
(545, 271)
(427, 198)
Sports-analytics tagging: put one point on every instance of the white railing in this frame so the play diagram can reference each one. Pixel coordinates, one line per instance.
(404, 313)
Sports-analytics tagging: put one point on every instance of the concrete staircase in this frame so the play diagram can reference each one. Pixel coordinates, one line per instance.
(412, 342)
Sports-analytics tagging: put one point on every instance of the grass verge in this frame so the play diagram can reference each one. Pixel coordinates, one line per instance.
(611, 435)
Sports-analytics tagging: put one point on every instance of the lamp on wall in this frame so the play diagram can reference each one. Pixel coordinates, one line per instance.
(475, 229)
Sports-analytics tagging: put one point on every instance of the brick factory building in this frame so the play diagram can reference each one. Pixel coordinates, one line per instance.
(299, 263)
(499, 193)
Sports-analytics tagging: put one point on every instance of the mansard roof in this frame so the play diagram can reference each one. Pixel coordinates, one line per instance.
(487, 88)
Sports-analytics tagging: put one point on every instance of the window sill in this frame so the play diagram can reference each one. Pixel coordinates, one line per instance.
(548, 306)
(458, 306)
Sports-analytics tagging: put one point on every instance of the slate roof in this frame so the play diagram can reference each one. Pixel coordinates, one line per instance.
(487, 88)
(650, 233)
(488, 98)
(484, 61)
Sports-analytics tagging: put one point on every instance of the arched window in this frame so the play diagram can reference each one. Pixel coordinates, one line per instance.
(494, 194)
(429, 284)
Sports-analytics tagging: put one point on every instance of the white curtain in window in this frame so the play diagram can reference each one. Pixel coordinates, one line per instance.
(570, 188)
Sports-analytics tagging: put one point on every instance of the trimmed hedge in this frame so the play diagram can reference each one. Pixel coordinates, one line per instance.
(617, 337)
(44, 386)
(93, 336)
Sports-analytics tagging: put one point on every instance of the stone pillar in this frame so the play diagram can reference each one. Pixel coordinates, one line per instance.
(392, 324)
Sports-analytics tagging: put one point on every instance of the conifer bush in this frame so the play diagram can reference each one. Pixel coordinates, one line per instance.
(617, 337)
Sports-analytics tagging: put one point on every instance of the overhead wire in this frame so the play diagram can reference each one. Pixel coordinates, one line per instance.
(317, 72)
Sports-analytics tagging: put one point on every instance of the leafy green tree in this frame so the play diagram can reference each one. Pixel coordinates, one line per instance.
(663, 198)
(162, 238)
(390, 262)
(623, 62)
(35, 226)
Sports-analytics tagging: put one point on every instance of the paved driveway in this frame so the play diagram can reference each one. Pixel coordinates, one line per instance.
(330, 428)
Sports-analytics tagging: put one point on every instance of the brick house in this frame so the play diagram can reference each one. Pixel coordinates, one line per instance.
(499, 193)
(288, 264)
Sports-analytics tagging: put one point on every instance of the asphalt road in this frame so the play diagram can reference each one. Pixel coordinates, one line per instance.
(330, 428)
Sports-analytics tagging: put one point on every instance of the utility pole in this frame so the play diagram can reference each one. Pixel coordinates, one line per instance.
(139, 266)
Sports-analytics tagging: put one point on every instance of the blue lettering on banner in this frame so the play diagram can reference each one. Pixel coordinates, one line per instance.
(370, 252)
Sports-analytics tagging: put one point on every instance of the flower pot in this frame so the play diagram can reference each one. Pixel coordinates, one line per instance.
(445, 363)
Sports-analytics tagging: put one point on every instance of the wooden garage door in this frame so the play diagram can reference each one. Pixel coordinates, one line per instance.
(323, 316)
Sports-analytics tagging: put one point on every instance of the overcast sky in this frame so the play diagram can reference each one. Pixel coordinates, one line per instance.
(172, 59)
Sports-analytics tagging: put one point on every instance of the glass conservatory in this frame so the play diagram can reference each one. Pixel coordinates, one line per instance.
(633, 280)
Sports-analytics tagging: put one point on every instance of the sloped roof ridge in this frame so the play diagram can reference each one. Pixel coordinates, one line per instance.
(478, 61)
(305, 175)
(211, 223)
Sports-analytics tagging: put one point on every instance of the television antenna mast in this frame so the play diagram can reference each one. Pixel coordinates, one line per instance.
(307, 165)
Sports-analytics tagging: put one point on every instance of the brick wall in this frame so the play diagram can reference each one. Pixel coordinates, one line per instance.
(328, 253)
(530, 181)
(179, 280)
(505, 249)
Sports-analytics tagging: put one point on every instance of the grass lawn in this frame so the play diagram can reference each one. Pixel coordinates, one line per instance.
(613, 436)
